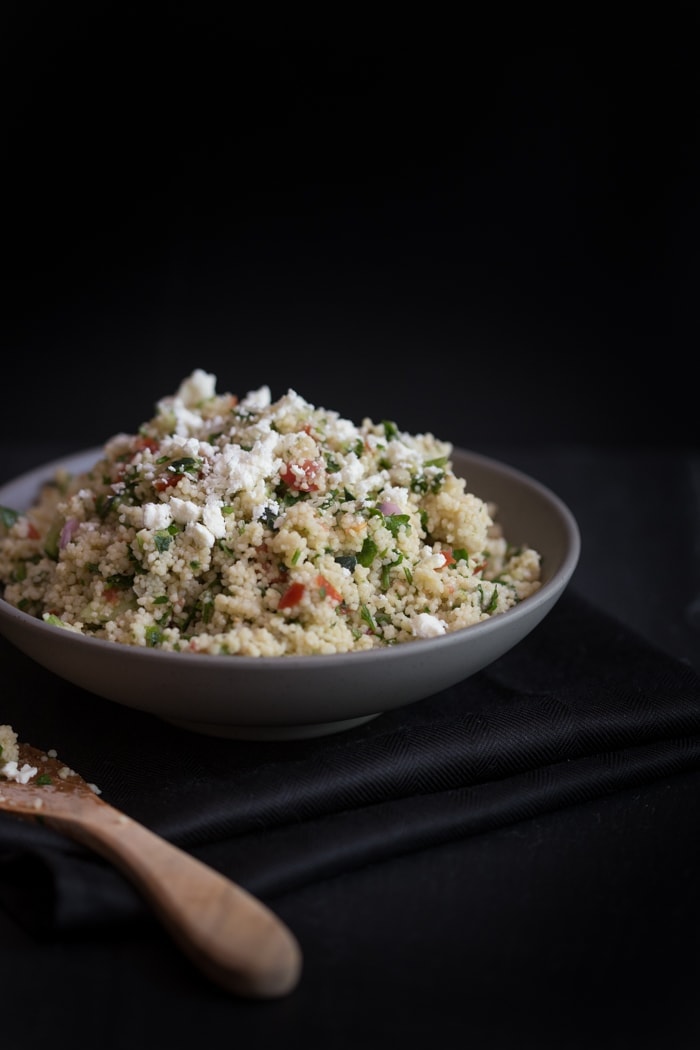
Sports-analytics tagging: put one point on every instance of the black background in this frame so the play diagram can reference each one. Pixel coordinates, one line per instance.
(492, 239)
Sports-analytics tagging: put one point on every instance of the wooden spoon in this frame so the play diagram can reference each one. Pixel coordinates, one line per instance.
(231, 936)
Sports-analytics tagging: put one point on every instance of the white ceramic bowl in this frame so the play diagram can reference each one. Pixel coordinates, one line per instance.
(287, 697)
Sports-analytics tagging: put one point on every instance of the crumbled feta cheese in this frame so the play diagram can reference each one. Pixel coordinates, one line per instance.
(257, 400)
(214, 519)
(201, 535)
(242, 469)
(156, 516)
(184, 510)
(400, 455)
(423, 625)
(22, 775)
(186, 421)
(272, 506)
(351, 471)
(196, 388)
(432, 559)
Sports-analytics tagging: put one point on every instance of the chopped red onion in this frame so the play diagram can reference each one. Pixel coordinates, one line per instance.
(389, 507)
(68, 531)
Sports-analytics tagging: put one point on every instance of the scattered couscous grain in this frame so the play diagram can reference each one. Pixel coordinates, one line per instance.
(259, 528)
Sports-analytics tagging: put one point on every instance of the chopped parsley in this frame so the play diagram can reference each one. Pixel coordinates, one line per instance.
(8, 516)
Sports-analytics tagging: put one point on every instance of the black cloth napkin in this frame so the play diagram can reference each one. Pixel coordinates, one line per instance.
(581, 708)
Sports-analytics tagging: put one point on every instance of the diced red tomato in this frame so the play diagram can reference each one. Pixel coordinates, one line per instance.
(448, 556)
(328, 590)
(111, 594)
(141, 442)
(32, 531)
(311, 469)
(166, 481)
(292, 596)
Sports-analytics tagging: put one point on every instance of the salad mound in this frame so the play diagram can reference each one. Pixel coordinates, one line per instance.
(247, 526)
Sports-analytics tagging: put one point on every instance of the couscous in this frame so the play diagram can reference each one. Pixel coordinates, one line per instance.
(10, 768)
(254, 527)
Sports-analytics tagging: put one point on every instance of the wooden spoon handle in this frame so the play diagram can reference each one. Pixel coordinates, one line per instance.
(232, 937)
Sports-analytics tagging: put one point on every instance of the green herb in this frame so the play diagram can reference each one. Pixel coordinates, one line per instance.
(43, 779)
(52, 541)
(161, 599)
(390, 429)
(162, 540)
(296, 556)
(366, 615)
(8, 517)
(348, 561)
(332, 465)
(105, 503)
(394, 522)
(120, 581)
(289, 497)
(491, 607)
(386, 570)
(330, 499)
(185, 465)
(368, 552)
(441, 461)
(154, 636)
(207, 607)
(460, 554)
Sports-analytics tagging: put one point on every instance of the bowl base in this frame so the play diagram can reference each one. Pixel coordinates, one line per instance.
(271, 732)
